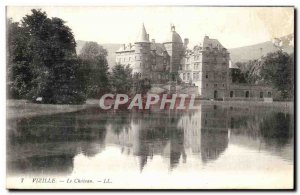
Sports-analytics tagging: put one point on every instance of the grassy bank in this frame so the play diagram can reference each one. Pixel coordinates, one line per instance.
(24, 108)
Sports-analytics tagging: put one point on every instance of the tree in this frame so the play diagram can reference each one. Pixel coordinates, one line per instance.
(95, 67)
(45, 48)
(275, 69)
(278, 70)
(140, 85)
(121, 79)
(19, 73)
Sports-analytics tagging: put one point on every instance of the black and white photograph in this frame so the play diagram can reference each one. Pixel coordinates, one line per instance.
(150, 97)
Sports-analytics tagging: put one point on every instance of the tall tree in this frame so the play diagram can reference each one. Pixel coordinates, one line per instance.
(50, 59)
(19, 74)
(275, 69)
(95, 66)
(140, 85)
(278, 70)
(121, 79)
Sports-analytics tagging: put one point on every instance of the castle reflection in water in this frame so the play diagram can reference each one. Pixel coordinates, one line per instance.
(48, 144)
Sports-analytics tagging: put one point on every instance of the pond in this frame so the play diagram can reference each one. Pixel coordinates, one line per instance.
(217, 146)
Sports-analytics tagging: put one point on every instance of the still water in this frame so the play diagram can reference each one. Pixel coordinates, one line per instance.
(217, 146)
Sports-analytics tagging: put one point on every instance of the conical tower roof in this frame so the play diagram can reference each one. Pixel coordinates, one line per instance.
(143, 36)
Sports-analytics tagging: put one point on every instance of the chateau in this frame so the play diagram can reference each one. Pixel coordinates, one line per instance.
(204, 70)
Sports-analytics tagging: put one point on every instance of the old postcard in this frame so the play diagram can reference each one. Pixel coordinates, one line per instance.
(150, 97)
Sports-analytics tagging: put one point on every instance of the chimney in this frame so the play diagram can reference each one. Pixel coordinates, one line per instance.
(186, 42)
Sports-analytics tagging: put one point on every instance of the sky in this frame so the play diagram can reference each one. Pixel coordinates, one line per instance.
(232, 26)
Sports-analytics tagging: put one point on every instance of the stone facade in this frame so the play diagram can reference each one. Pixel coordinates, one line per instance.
(207, 66)
(249, 92)
(147, 59)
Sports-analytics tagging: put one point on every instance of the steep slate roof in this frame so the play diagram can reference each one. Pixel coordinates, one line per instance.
(158, 47)
(142, 36)
(212, 43)
(128, 48)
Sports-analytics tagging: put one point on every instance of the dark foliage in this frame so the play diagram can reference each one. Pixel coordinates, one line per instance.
(121, 79)
(95, 69)
(42, 60)
(275, 69)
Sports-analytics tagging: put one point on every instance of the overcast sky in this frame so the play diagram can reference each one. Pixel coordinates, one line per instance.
(232, 26)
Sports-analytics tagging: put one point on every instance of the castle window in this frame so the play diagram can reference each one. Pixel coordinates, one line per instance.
(231, 94)
(153, 61)
(183, 77)
(269, 94)
(261, 95)
(196, 66)
(206, 76)
(196, 76)
(188, 76)
(206, 85)
(247, 94)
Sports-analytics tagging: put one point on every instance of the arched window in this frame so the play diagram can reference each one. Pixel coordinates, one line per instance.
(269, 94)
(247, 94)
(215, 94)
(261, 95)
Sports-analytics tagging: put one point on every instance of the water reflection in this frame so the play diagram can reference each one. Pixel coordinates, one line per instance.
(48, 144)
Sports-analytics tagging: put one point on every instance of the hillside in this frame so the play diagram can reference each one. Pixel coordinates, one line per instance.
(110, 47)
(240, 54)
(252, 52)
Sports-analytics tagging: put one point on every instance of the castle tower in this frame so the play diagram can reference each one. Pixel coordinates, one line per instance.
(175, 49)
(142, 54)
(214, 70)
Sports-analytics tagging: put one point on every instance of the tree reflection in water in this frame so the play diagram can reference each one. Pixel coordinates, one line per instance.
(48, 144)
